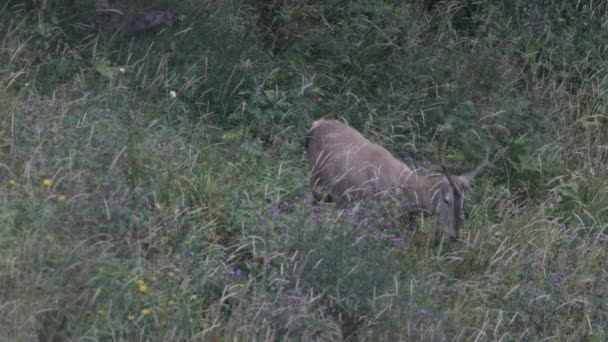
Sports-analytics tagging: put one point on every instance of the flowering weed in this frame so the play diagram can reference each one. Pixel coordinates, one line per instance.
(156, 186)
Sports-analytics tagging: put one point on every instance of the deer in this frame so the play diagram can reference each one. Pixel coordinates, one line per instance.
(350, 167)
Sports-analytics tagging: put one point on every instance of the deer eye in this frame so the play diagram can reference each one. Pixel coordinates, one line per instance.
(446, 200)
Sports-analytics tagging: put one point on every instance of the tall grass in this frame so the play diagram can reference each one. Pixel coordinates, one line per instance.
(154, 186)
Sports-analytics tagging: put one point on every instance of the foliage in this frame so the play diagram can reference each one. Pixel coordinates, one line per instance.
(155, 185)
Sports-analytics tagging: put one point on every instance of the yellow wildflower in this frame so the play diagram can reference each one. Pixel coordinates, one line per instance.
(101, 312)
(131, 317)
(8, 261)
(61, 198)
(140, 282)
(132, 273)
(171, 274)
(46, 182)
(153, 278)
(143, 288)
(145, 311)
(12, 181)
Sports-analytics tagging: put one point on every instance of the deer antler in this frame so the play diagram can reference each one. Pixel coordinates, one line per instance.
(490, 159)
(445, 171)
(470, 176)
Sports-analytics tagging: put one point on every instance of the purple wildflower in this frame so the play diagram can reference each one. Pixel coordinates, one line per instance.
(316, 208)
(259, 141)
(602, 237)
(139, 123)
(261, 219)
(426, 163)
(421, 311)
(388, 224)
(296, 198)
(108, 115)
(348, 212)
(397, 240)
(541, 260)
(259, 78)
(237, 272)
(557, 279)
(597, 292)
(274, 211)
(314, 217)
(564, 226)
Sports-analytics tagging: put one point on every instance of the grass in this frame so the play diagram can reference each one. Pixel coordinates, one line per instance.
(155, 186)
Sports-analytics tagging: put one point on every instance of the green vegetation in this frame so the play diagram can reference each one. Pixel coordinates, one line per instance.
(154, 186)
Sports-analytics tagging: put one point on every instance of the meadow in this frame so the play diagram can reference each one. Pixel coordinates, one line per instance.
(154, 185)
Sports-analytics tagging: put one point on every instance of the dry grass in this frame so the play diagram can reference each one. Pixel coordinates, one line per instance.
(155, 187)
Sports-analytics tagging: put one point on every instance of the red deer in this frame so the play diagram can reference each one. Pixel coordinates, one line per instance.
(349, 166)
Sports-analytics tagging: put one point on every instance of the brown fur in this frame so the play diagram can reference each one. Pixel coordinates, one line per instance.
(349, 166)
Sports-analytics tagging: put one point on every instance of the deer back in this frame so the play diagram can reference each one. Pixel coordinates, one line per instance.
(348, 165)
